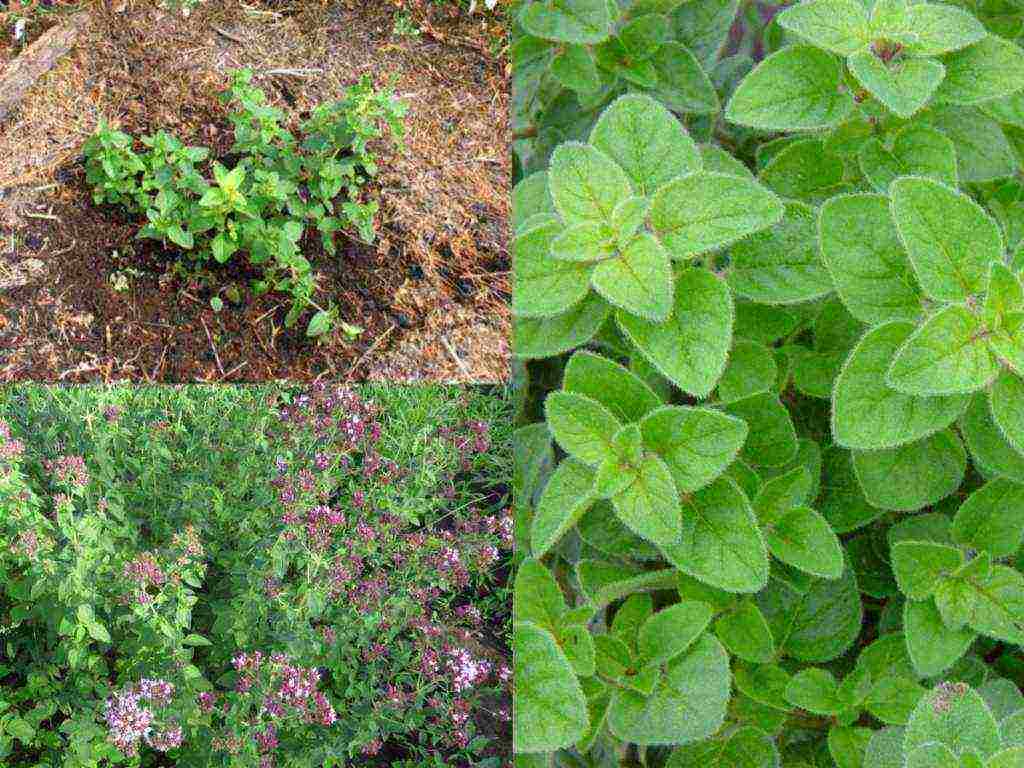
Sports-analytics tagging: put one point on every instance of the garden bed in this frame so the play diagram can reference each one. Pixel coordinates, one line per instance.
(81, 299)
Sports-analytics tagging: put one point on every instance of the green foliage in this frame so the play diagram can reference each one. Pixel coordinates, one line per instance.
(170, 533)
(776, 332)
(282, 185)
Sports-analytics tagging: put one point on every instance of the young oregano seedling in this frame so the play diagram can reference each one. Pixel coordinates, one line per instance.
(281, 186)
(769, 320)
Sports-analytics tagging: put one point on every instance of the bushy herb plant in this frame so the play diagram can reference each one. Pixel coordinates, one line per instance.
(280, 186)
(253, 577)
(770, 326)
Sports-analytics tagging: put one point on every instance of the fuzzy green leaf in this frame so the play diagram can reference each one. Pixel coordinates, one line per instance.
(550, 336)
(622, 392)
(861, 248)
(989, 69)
(947, 355)
(751, 371)
(638, 280)
(932, 646)
(744, 632)
(950, 239)
(904, 88)
(682, 85)
(817, 624)
(586, 184)
(914, 475)
(691, 347)
(917, 150)
(582, 426)
(987, 443)
(671, 631)
(920, 565)
(551, 712)
(803, 539)
(721, 543)
(772, 440)
(954, 715)
(1006, 399)
(567, 21)
(805, 170)
(836, 25)
(814, 690)
(781, 265)
(702, 26)
(746, 746)
(649, 504)
(991, 604)
(697, 444)
(544, 286)
(530, 197)
(704, 211)
(566, 497)
(992, 518)
(869, 414)
(647, 142)
(939, 28)
(687, 705)
(796, 88)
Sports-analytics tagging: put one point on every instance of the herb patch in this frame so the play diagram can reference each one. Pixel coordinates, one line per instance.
(769, 314)
(254, 576)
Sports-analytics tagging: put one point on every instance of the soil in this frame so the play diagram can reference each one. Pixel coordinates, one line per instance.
(81, 299)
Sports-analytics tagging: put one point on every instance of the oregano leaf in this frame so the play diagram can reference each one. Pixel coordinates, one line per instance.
(796, 88)
(691, 347)
(1006, 399)
(862, 250)
(586, 184)
(638, 279)
(949, 238)
(946, 355)
(702, 211)
(904, 87)
(840, 26)
(781, 265)
(869, 414)
(645, 140)
(581, 425)
(912, 476)
(697, 444)
(566, 497)
(721, 543)
(551, 711)
(687, 705)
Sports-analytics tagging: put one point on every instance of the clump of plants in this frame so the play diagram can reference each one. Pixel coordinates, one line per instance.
(281, 186)
(253, 577)
(769, 318)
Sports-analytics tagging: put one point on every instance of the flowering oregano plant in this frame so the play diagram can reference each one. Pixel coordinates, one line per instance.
(281, 185)
(770, 321)
(254, 577)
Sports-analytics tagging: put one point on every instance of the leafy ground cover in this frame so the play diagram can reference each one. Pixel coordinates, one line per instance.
(431, 293)
(259, 576)
(770, 326)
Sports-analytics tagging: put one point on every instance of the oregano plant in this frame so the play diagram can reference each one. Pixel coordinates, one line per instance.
(769, 329)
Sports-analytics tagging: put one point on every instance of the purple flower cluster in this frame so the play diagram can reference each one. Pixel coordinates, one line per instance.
(69, 470)
(129, 723)
(466, 671)
(289, 690)
(145, 572)
(9, 447)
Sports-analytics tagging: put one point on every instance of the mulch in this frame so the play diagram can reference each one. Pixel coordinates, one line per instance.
(81, 299)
